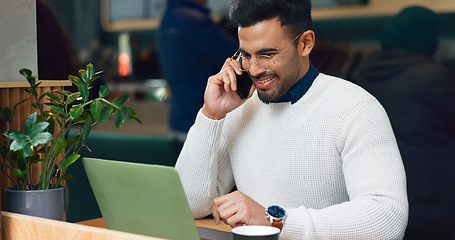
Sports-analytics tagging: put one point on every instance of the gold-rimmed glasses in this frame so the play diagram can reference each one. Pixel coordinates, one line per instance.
(266, 62)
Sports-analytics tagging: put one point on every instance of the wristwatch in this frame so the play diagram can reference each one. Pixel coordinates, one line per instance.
(276, 215)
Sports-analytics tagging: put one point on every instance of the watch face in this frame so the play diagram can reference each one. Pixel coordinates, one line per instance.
(276, 211)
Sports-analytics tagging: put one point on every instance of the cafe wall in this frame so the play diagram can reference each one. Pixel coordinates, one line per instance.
(18, 38)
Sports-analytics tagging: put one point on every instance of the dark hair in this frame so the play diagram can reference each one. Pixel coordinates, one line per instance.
(295, 15)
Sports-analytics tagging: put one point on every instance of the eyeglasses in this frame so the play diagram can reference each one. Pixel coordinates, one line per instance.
(266, 62)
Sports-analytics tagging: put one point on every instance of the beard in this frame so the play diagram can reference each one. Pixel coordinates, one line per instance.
(267, 97)
(273, 95)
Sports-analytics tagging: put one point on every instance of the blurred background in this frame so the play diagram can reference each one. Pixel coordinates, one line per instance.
(119, 37)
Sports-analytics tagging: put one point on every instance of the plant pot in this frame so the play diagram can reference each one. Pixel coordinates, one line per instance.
(50, 203)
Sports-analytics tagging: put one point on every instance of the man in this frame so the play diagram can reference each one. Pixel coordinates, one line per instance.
(419, 96)
(316, 151)
(192, 47)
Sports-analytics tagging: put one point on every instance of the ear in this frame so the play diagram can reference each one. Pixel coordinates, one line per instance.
(306, 42)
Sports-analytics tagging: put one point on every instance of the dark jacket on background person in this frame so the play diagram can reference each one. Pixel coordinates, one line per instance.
(419, 97)
(191, 48)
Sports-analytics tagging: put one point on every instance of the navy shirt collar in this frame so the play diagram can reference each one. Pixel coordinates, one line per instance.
(301, 87)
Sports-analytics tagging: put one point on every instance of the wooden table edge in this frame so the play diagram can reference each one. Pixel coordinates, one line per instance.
(205, 222)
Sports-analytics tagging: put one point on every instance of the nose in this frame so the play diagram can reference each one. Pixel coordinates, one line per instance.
(255, 70)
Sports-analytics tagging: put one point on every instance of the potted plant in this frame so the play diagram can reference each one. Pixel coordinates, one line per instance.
(45, 140)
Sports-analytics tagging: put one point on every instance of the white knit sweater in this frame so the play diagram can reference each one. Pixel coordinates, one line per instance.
(330, 159)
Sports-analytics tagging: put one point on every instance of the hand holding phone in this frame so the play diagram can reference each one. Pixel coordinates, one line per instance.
(244, 83)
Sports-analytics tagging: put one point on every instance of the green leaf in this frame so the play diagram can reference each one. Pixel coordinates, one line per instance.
(34, 87)
(95, 108)
(37, 129)
(83, 75)
(19, 103)
(119, 119)
(36, 105)
(126, 112)
(31, 91)
(55, 98)
(27, 73)
(19, 143)
(30, 121)
(90, 71)
(60, 145)
(76, 111)
(120, 100)
(63, 92)
(106, 113)
(86, 130)
(44, 95)
(11, 134)
(73, 97)
(73, 139)
(137, 120)
(42, 138)
(28, 149)
(94, 78)
(3, 151)
(57, 108)
(58, 121)
(103, 91)
(75, 80)
(132, 112)
(68, 161)
(83, 89)
(19, 173)
(36, 160)
(6, 114)
(51, 127)
(83, 118)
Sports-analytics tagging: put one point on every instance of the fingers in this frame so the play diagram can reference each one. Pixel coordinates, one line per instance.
(229, 215)
(227, 77)
(234, 64)
(237, 209)
(232, 75)
(219, 206)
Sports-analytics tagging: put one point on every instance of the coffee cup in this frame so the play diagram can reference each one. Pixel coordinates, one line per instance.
(256, 233)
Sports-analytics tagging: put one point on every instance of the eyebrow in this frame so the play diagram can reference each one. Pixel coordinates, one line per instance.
(260, 51)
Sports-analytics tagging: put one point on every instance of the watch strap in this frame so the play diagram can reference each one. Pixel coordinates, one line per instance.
(278, 223)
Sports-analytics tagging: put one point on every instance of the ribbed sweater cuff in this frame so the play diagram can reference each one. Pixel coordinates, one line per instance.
(295, 222)
(207, 128)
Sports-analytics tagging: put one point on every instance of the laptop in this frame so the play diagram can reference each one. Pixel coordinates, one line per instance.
(145, 199)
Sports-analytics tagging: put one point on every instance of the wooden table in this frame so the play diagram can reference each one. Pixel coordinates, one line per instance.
(18, 226)
(206, 222)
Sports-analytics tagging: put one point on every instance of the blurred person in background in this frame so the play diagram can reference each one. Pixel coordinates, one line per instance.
(191, 48)
(419, 97)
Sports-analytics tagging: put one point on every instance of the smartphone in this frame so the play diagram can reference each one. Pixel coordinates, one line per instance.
(244, 83)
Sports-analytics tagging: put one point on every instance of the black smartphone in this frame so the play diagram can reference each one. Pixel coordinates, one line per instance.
(244, 83)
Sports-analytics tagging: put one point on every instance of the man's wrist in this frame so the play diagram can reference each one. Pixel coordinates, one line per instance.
(212, 115)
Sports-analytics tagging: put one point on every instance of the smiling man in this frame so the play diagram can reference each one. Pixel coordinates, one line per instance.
(309, 153)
